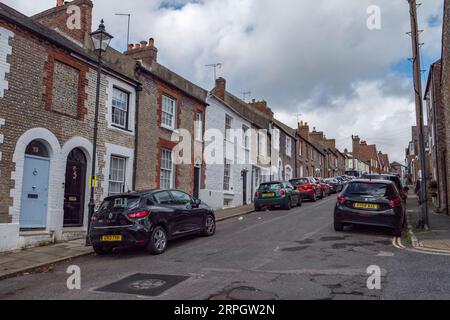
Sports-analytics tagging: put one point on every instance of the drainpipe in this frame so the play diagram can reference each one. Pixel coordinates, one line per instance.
(436, 142)
(136, 135)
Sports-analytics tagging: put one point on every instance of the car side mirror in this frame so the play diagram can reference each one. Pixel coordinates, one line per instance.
(196, 203)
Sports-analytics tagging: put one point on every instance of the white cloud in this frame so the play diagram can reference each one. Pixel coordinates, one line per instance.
(316, 54)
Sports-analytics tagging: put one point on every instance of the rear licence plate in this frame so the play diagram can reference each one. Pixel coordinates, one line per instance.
(112, 238)
(268, 195)
(366, 206)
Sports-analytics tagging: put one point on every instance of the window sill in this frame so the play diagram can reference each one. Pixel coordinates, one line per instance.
(119, 129)
(168, 128)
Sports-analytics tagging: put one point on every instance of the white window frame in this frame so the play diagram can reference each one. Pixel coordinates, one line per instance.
(126, 111)
(276, 138)
(228, 127)
(163, 169)
(227, 175)
(286, 176)
(123, 181)
(165, 112)
(114, 83)
(199, 126)
(245, 137)
(289, 146)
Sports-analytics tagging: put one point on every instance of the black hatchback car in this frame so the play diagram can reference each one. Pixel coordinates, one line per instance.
(370, 202)
(149, 219)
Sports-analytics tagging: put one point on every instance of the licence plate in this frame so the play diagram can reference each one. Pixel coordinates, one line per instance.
(366, 206)
(112, 238)
(268, 195)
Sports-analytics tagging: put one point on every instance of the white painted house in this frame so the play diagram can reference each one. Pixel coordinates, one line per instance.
(228, 183)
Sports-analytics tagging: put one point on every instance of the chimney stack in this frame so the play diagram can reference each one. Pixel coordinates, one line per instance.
(143, 51)
(303, 130)
(59, 18)
(355, 146)
(261, 106)
(221, 87)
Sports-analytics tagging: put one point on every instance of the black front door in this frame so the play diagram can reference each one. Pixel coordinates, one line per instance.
(244, 187)
(74, 188)
(197, 172)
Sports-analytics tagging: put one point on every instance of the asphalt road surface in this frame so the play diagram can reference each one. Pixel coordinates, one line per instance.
(265, 255)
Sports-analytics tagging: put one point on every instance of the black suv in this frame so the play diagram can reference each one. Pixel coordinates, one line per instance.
(149, 219)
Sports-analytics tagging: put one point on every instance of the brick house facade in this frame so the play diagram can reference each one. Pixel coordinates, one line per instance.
(445, 89)
(170, 109)
(285, 149)
(47, 96)
(311, 158)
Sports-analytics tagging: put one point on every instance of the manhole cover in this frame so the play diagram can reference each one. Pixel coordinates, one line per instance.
(147, 284)
(151, 285)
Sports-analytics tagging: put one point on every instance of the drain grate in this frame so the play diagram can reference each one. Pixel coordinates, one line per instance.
(149, 285)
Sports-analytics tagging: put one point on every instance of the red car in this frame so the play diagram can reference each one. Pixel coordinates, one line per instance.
(324, 186)
(308, 187)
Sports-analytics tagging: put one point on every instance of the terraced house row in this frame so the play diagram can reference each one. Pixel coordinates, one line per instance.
(48, 81)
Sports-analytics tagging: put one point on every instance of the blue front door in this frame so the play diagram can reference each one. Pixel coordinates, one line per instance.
(35, 192)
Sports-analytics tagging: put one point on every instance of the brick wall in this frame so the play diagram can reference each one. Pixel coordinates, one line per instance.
(446, 84)
(73, 19)
(27, 98)
(152, 137)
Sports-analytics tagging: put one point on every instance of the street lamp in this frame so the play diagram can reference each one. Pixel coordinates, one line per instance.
(100, 40)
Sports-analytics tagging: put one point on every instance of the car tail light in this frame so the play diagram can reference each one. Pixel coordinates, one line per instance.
(341, 198)
(256, 194)
(139, 214)
(308, 186)
(395, 203)
(282, 192)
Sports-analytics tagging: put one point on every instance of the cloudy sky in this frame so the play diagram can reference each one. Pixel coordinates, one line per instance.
(315, 60)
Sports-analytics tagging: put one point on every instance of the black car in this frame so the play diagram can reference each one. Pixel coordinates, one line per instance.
(370, 202)
(402, 189)
(149, 219)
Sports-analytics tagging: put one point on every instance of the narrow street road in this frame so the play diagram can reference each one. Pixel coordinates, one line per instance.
(269, 255)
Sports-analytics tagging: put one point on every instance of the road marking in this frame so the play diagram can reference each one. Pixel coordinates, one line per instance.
(299, 272)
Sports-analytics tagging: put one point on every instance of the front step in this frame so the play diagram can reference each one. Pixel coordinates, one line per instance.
(29, 239)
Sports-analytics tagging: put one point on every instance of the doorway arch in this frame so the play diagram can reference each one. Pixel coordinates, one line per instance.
(74, 188)
(35, 184)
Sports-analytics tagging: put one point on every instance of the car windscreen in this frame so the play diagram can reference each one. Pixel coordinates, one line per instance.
(369, 189)
(270, 187)
(126, 202)
(299, 181)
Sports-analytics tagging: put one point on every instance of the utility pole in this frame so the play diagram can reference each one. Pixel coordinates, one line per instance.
(419, 108)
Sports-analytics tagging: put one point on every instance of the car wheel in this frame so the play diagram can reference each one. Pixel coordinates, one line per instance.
(257, 209)
(210, 226)
(338, 226)
(299, 202)
(288, 204)
(101, 249)
(321, 194)
(158, 241)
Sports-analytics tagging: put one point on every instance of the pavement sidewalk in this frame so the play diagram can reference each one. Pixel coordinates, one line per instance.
(234, 212)
(27, 260)
(22, 261)
(438, 237)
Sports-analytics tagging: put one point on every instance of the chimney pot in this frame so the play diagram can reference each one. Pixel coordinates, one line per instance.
(151, 42)
(143, 44)
(130, 47)
(59, 3)
(138, 45)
